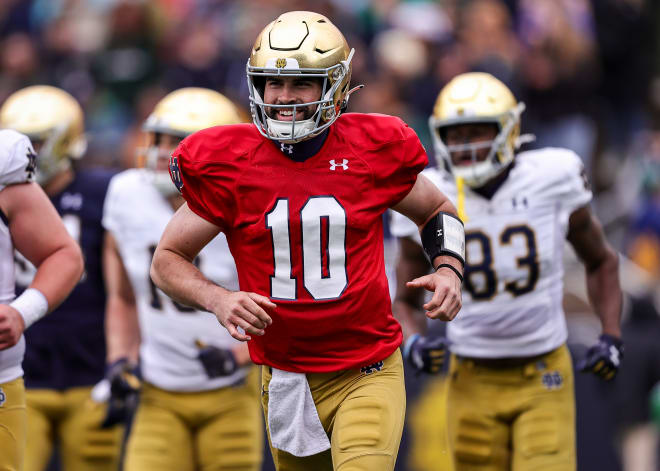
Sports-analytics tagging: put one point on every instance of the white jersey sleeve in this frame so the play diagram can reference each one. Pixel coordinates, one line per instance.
(111, 206)
(17, 165)
(17, 158)
(401, 226)
(566, 179)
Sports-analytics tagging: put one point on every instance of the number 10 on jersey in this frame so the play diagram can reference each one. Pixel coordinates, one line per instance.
(323, 245)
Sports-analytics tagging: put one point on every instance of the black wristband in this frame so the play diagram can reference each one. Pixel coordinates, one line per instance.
(446, 265)
(444, 234)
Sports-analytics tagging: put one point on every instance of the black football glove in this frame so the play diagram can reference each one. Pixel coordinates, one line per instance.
(426, 354)
(216, 361)
(124, 387)
(604, 358)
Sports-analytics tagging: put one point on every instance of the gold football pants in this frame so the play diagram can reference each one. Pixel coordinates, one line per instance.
(13, 425)
(71, 419)
(362, 412)
(427, 428)
(518, 418)
(213, 430)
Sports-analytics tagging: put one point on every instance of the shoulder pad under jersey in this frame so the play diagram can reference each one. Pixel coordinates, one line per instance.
(372, 128)
(222, 143)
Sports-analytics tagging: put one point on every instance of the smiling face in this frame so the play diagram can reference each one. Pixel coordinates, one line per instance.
(291, 91)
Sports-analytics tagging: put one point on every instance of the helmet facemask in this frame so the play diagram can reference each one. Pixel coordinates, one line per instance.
(327, 107)
(156, 159)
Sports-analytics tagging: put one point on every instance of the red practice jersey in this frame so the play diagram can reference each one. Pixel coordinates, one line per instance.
(308, 235)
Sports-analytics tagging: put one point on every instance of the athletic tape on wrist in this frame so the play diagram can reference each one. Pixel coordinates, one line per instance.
(32, 305)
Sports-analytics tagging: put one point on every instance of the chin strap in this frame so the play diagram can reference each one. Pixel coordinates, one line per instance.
(348, 95)
(524, 139)
(460, 199)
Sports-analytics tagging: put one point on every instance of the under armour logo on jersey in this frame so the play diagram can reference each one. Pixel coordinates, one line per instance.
(32, 163)
(175, 173)
(3, 397)
(552, 380)
(285, 148)
(519, 202)
(372, 368)
(343, 164)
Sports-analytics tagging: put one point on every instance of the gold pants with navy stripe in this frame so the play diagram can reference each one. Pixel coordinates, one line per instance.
(13, 425)
(513, 418)
(361, 412)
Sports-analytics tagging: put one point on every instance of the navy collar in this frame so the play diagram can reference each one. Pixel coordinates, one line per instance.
(301, 151)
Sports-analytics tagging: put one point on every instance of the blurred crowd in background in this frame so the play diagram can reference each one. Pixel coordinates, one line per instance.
(588, 71)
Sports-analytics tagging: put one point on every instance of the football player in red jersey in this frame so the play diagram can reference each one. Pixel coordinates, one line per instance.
(300, 196)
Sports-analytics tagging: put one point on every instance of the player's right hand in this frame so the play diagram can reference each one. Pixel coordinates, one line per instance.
(217, 362)
(426, 354)
(245, 310)
(12, 326)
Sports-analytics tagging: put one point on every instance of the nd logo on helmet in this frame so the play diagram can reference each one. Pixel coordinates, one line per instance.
(280, 63)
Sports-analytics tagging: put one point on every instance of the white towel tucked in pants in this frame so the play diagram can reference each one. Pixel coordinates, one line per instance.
(293, 420)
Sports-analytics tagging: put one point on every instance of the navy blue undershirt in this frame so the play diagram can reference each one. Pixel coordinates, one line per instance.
(301, 151)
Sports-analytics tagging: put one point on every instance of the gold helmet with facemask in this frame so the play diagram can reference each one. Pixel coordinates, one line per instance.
(472, 98)
(180, 113)
(300, 44)
(54, 122)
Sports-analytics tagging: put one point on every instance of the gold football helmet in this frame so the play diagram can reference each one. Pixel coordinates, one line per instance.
(178, 114)
(477, 97)
(54, 122)
(300, 44)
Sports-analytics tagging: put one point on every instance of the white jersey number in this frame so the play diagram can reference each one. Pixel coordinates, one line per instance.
(323, 236)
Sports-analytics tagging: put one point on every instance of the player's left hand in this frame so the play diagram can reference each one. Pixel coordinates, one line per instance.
(426, 354)
(216, 361)
(12, 326)
(604, 358)
(124, 385)
(446, 288)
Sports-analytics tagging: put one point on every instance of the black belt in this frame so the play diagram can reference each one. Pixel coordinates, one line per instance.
(501, 363)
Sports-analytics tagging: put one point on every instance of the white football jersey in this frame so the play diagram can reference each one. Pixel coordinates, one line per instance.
(513, 288)
(136, 214)
(17, 165)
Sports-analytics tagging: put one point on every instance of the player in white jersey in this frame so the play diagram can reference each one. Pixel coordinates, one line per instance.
(199, 406)
(30, 224)
(510, 393)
